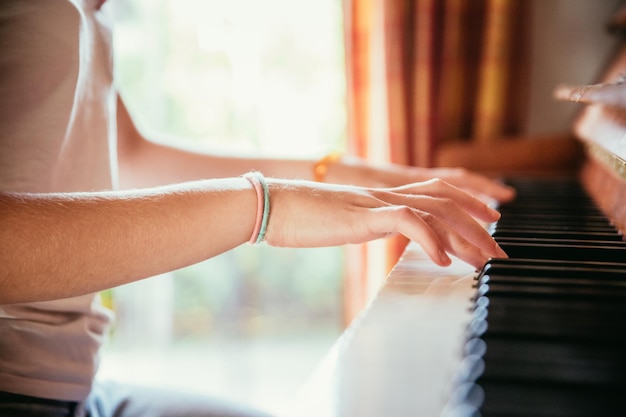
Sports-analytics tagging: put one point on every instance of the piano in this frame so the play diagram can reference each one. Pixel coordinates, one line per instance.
(542, 333)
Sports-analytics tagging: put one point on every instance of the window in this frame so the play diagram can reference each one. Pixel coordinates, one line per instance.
(240, 75)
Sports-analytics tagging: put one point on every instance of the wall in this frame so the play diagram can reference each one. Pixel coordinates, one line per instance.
(570, 45)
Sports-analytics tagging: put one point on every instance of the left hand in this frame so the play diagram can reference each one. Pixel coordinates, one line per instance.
(353, 170)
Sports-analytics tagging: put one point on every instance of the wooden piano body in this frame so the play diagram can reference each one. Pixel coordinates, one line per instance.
(430, 343)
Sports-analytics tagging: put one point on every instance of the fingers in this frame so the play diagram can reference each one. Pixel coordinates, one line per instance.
(438, 238)
(437, 215)
(456, 219)
(414, 225)
(449, 213)
(476, 184)
(605, 93)
(441, 189)
(453, 209)
(480, 185)
(476, 251)
(394, 175)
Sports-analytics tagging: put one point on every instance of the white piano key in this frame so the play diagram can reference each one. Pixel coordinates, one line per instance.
(399, 357)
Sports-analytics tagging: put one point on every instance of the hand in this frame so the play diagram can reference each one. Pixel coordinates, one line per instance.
(352, 170)
(439, 216)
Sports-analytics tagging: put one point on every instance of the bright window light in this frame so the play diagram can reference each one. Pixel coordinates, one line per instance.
(238, 75)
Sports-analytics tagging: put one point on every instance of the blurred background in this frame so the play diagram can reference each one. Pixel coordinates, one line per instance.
(422, 82)
(259, 77)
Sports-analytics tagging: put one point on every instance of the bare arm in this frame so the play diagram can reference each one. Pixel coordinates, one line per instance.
(145, 163)
(67, 244)
(62, 245)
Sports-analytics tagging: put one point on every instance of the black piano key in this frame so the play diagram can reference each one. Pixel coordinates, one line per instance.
(494, 286)
(554, 216)
(554, 268)
(560, 241)
(568, 316)
(600, 253)
(566, 227)
(520, 399)
(548, 333)
(557, 276)
(550, 360)
(500, 232)
(604, 281)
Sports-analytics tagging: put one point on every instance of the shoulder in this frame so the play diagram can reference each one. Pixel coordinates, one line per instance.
(37, 36)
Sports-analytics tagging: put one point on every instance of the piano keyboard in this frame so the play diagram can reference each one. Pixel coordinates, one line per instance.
(542, 333)
(548, 334)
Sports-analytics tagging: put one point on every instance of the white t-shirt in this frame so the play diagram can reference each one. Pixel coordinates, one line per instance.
(57, 133)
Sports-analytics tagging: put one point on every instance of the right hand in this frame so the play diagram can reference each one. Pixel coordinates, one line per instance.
(442, 218)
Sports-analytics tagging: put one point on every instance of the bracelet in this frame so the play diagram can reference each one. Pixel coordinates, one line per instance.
(320, 169)
(266, 209)
(263, 206)
(256, 184)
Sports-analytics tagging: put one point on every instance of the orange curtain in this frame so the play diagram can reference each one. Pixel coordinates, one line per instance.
(454, 70)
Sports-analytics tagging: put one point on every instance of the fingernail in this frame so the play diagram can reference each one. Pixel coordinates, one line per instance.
(444, 258)
(501, 253)
(495, 214)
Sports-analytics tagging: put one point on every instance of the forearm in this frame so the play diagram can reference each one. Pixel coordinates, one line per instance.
(146, 163)
(62, 245)
(153, 163)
